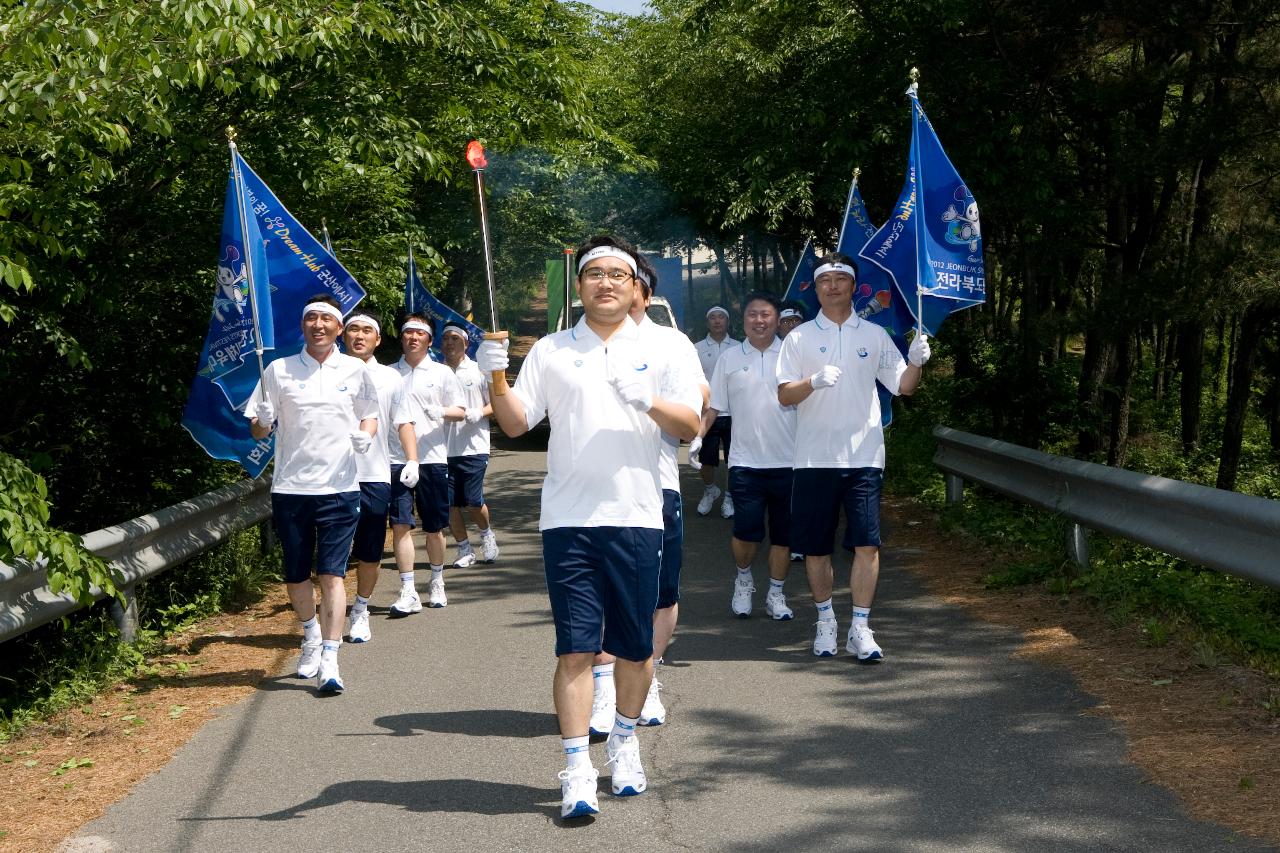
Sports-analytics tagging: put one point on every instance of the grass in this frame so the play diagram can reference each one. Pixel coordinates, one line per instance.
(57, 667)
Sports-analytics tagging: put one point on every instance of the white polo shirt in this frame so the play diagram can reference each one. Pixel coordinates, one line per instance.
(375, 466)
(428, 384)
(602, 458)
(318, 405)
(672, 341)
(764, 431)
(839, 427)
(470, 439)
(709, 353)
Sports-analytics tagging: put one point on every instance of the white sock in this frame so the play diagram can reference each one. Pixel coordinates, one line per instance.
(406, 580)
(464, 545)
(361, 605)
(602, 679)
(577, 751)
(825, 613)
(329, 650)
(776, 585)
(623, 727)
(437, 572)
(861, 615)
(311, 630)
(744, 575)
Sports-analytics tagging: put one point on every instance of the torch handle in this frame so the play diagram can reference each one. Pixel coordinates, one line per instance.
(498, 379)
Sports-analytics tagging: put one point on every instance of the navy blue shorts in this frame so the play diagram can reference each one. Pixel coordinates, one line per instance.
(816, 497)
(719, 433)
(371, 531)
(431, 495)
(603, 586)
(758, 492)
(672, 549)
(467, 475)
(315, 526)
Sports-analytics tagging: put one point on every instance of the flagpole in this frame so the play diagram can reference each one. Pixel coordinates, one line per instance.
(413, 276)
(238, 180)
(848, 204)
(328, 243)
(568, 288)
(912, 91)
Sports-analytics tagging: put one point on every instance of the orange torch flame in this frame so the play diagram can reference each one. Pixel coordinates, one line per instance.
(475, 155)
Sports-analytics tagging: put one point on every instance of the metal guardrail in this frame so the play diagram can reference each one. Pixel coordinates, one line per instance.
(140, 549)
(1228, 531)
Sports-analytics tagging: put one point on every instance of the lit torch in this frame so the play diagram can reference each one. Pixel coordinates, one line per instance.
(475, 156)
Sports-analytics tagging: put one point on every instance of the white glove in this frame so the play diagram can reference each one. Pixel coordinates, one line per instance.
(433, 413)
(918, 353)
(694, 447)
(826, 377)
(473, 415)
(361, 441)
(409, 476)
(265, 413)
(634, 391)
(491, 356)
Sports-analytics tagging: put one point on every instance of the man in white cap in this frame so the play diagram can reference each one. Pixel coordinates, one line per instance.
(828, 369)
(788, 320)
(362, 335)
(760, 472)
(432, 398)
(323, 407)
(468, 451)
(704, 451)
(609, 398)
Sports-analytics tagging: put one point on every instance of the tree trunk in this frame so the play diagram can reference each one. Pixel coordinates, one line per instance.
(1118, 449)
(1191, 363)
(1097, 361)
(1251, 328)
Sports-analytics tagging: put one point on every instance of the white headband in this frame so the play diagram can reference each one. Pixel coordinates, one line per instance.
(837, 267)
(716, 308)
(457, 330)
(607, 252)
(323, 308)
(417, 324)
(787, 313)
(640, 274)
(366, 320)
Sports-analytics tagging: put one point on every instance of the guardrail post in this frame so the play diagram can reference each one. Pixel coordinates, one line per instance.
(266, 536)
(1078, 545)
(955, 489)
(126, 615)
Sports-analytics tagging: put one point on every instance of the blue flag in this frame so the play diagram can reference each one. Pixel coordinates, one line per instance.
(281, 268)
(932, 244)
(801, 290)
(418, 299)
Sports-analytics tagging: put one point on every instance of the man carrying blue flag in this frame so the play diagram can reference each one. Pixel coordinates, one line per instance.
(323, 407)
(828, 369)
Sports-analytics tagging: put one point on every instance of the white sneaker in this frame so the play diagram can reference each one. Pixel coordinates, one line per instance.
(654, 713)
(628, 776)
(358, 627)
(436, 596)
(466, 556)
(709, 496)
(603, 709)
(862, 642)
(824, 639)
(578, 792)
(407, 603)
(741, 604)
(726, 508)
(328, 680)
(775, 605)
(309, 660)
(489, 544)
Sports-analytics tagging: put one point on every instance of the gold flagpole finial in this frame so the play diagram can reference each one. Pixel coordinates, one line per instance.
(231, 134)
(857, 170)
(914, 74)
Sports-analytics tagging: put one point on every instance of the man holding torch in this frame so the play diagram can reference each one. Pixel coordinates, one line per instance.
(609, 398)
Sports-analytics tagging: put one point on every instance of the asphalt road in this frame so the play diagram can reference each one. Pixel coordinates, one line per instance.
(445, 738)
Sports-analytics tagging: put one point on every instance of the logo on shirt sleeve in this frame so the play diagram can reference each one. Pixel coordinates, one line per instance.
(640, 367)
(862, 352)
